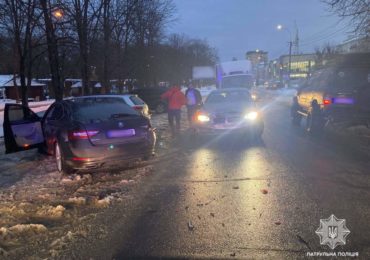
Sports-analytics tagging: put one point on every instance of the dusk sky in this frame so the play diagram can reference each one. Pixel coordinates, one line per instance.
(236, 26)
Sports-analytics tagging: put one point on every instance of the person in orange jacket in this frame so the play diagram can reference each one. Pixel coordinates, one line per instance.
(176, 100)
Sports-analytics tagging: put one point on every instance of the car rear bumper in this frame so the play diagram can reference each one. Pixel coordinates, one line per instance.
(105, 162)
(109, 155)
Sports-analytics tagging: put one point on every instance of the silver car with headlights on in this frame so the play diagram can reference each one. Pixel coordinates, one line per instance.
(229, 111)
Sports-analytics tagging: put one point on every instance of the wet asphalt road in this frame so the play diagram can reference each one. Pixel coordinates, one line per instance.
(231, 199)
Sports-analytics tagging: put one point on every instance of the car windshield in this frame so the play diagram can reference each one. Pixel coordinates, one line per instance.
(237, 81)
(100, 109)
(228, 97)
(353, 77)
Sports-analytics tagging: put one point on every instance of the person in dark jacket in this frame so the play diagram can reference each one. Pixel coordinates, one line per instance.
(193, 102)
(176, 99)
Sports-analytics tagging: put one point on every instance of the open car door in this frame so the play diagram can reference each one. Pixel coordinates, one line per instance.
(22, 128)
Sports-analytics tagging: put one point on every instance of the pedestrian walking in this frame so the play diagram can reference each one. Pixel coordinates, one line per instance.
(176, 100)
(193, 102)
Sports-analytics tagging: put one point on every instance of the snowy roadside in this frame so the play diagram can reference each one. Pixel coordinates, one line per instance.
(41, 212)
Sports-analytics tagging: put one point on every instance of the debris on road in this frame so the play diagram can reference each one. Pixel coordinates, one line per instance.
(264, 191)
(277, 223)
(190, 226)
(235, 187)
(212, 214)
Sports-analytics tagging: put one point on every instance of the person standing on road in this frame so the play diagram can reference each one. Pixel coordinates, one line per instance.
(194, 101)
(176, 99)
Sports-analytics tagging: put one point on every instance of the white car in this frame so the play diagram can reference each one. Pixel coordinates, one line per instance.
(135, 102)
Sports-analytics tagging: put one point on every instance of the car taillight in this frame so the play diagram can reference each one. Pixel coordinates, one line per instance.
(81, 134)
(137, 108)
(327, 101)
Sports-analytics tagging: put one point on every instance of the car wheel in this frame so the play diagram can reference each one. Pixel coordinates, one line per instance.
(59, 159)
(160, 108)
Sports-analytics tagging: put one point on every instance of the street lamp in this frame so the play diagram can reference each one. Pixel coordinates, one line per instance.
(58, 13)
(280, 27)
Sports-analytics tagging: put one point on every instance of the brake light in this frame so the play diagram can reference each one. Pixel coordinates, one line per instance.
(327, 102)
(137, 108)
(80, 159)
(75, 135)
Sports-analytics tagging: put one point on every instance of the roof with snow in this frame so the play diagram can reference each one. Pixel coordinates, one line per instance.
(8, 81)
(78, 84)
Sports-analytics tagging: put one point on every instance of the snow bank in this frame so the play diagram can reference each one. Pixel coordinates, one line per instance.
(51, 212)
(77, 200)
(21, 230)
(105, 202)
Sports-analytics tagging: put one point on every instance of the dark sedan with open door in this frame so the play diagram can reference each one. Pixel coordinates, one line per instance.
(231, 111)
(82, 133)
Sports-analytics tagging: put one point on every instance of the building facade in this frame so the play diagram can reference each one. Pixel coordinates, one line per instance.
(301, 65)
(259, 60)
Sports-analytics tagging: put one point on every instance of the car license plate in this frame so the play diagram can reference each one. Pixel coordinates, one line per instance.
(121, 133)
(343, 100)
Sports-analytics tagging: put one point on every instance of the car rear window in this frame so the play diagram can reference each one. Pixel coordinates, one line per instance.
(100, 109)
(229, 96)
(137, 101)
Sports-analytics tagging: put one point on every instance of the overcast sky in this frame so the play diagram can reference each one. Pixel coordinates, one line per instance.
(236, 26)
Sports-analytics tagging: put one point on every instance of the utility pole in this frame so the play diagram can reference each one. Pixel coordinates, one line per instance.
(279, 27)
(290, 60)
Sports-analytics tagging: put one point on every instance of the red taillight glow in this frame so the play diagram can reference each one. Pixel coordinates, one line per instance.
(137, 108)
(81, 159)
(82, 134)
(327, 102)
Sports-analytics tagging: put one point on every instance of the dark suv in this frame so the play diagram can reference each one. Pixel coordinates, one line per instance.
(339, 92)
(152, 97)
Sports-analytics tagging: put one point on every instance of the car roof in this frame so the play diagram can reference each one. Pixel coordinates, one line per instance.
(101, 96)
(221, 90)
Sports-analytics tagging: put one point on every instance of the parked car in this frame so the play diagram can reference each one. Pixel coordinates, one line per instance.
(296, 83)
(340, 92)
(275, 84)
(82, 133)
(135, 102)
(229, 110)
(152, 97)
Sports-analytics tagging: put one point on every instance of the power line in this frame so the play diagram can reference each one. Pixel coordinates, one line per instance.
(322, 32)
(326, 37)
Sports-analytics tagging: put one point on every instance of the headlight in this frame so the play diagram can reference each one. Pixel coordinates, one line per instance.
(254, 96)
(203, 118)
(251, 116)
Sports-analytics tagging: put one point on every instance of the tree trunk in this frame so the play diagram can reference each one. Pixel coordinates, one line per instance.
(52, 51)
